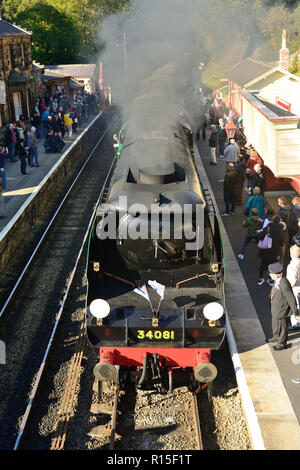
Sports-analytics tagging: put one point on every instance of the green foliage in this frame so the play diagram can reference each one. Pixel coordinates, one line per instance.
(294, 67)
(226, 32)
(55, 38)
(66, 31)
(272, 24)
(288, 3)
(63, 31)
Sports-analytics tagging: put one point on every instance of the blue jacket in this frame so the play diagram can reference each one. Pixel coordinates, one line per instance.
(45, 115)
(258, 202)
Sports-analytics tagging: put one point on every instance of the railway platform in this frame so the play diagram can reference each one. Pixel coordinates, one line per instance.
(270, 398)
(19, 187)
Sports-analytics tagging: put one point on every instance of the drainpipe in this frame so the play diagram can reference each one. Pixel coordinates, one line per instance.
(5, 80)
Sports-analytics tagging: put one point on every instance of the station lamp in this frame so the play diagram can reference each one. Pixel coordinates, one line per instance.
(230, 128)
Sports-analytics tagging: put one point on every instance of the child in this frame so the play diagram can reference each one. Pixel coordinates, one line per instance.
(253, 224)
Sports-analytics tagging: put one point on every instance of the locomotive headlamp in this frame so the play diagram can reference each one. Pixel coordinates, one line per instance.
(99, 308)
(213, 311)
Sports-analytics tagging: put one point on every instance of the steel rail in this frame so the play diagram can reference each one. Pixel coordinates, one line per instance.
(114, 419)
(42, 366)
(197, 422)
(49, 226)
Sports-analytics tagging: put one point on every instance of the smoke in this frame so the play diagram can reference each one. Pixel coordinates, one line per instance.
(188, 32)
(157, 32)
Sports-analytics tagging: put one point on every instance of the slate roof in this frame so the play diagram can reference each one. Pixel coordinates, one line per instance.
(247, 70)
(53, 75)
(75, 70)
(75, 85)
(8, 29)
(270, 110)
(277, 110)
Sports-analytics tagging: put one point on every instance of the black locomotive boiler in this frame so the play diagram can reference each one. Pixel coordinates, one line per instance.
(155, 299)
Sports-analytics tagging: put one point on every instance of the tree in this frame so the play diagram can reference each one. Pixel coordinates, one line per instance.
(226, 33)
(288, 3)
(55, 37)
(81, 19)
(88, 16)
(272, 24)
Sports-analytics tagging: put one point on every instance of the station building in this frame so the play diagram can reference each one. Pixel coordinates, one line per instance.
(268, 98)
(85, 74)
(16, 73)
(53, 82)
(22, 80)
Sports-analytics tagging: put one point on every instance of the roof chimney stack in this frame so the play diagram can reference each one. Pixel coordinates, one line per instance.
(284, 53)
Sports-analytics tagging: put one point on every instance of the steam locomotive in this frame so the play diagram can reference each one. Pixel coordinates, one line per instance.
(155, 298)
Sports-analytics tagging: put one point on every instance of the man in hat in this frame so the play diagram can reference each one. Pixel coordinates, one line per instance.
(283, 304)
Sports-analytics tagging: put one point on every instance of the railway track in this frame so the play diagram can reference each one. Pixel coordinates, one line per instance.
(146, 420)
(38, 305)
(30, 317)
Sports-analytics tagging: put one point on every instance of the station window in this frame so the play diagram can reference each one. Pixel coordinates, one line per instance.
(11, 56)
(17, 102)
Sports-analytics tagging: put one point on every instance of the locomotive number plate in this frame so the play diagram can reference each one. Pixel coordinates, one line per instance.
(156, 335)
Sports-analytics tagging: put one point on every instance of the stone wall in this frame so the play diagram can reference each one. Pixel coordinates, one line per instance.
(30, 222)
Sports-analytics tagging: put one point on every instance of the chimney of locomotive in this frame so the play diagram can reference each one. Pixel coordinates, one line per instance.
(284, 53)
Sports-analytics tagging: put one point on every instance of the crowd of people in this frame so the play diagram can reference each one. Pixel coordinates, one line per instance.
(54, 120)
(275, 231)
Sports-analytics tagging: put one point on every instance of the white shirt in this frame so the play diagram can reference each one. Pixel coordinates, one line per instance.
(276, 283)
(293, 276)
